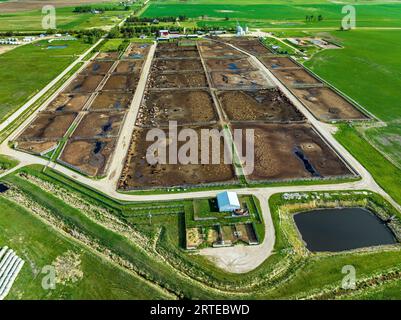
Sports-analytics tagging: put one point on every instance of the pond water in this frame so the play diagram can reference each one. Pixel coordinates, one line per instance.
(342, 229)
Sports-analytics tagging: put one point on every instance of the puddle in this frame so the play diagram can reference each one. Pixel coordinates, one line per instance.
(98, 147)
(308, 166)
(3, 188)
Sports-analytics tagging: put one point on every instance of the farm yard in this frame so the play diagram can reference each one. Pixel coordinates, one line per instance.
(80, 190)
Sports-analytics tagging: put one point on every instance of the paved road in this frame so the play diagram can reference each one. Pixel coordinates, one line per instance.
(234, 259)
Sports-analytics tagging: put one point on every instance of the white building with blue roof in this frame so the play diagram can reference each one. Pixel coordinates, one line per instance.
(228, 201)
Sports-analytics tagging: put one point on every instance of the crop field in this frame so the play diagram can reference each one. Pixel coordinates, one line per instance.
(66, 19)
(276, 15)
(27, 69)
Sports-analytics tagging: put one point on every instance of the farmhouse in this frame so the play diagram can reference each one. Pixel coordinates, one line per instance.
(228, 201)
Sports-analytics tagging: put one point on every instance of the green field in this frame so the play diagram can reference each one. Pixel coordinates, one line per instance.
(66, 19)
(184, 275)
(39, 245)
(27, 69)
(275, 14)
(367, 69)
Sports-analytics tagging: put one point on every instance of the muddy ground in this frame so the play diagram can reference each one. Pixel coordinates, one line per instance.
(185, 107)
(160, 65)
(139, 174)
(178, 80)
(89, 156)
(239, 79)
(97, 68)
(295, 77)
(68, 102)
(278, 62)
(176, 54)
(259, 105)
(137, 51)
(84, 84)
(292, 151)
(121, 82)
(229, 64)
(48, 126)
(36, 147)
(107, 56)
(111, 101)
(224, 53)
(129, 66)
(327, 105)
(252, 46)
(99, 124)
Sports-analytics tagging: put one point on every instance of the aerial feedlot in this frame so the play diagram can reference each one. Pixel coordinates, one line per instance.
(268, 105)
(184, 106)
(200, 149)
(306, 154)
(140, 174)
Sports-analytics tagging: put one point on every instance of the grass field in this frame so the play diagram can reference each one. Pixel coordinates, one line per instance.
(384, 172)
(367, 69)
(39, 245)
(66, 19)
(180, 272)
(27, 69)
(275, 14)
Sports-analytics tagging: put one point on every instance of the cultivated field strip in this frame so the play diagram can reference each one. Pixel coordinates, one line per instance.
(10, 266)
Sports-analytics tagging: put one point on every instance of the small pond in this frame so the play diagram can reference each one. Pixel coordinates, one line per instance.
(342, 229)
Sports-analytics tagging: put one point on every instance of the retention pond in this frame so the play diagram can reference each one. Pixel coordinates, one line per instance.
(342, 229)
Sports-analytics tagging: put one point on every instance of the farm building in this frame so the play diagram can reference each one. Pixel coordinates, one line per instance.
(228, 201)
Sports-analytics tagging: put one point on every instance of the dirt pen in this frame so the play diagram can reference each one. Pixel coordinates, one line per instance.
(111, 101)
(121, 82)
(166, 54)
(137, 51)
(239, 80)
(68, 102)
(38, 147)
(325, 104)
(229, 64)
(129, 66)
(98, 68)
(292, 151)
(48, 126)
(268, 105)
(183, 106)
(296, 77)
(179, 80)
(84, 83)
(160, 65)
(278, 62)
(138, 173)
(99, 124)
(250, 45)
(88, 156)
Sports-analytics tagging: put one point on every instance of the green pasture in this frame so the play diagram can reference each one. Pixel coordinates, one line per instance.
(24, 71)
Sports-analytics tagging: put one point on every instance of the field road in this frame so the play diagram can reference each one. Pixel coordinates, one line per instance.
(124, 140)
(237, 259)
(37, 96)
